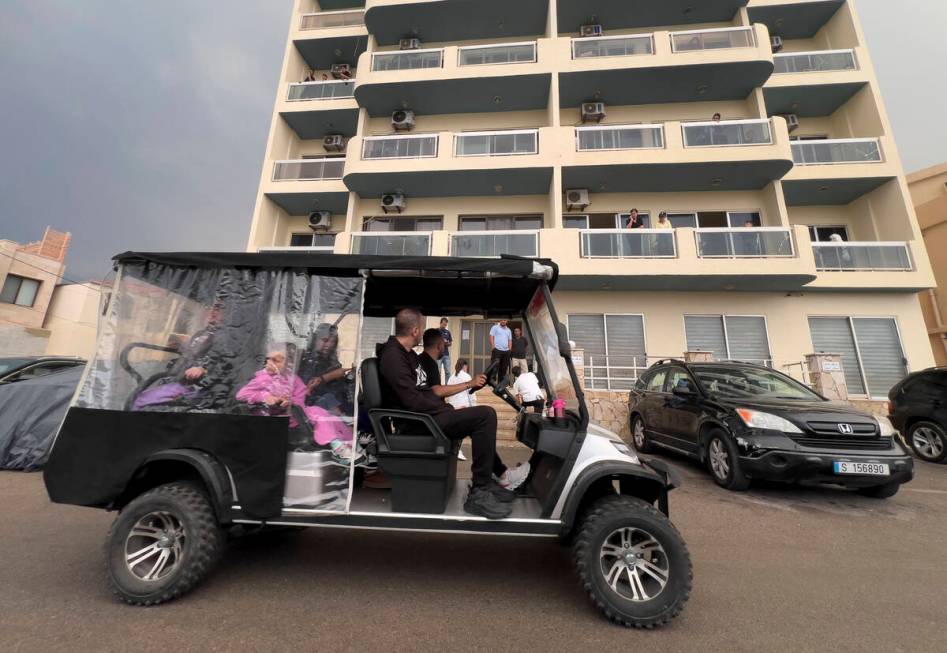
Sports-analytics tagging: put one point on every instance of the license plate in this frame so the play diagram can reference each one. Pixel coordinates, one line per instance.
(866, 469)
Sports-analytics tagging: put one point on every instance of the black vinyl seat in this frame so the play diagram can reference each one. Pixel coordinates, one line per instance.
(412, 450)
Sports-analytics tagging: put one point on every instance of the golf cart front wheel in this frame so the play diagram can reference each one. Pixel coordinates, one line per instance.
(632, 562)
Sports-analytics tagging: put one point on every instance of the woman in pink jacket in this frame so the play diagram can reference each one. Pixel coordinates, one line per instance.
(276, 389)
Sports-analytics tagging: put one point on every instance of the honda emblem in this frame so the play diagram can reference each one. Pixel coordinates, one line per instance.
(845, 429)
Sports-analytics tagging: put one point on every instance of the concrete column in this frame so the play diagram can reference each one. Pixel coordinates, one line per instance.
(826, 375)
(554, 219)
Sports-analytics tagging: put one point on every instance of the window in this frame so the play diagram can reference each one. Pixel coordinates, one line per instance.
(501, 223)
(656, 382)
(729, 337)
(312, 240)
(872, 357)
(714, 219)
(678, 378)
(603, 220)
(824, 233)
(425, 223)
(19, 290)
(741, 382)
(614, 349)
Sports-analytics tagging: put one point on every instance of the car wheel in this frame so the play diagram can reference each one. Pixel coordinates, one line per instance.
(639, 437)
(632, 562)
(162, 544)
(724, 463)
(928, 441)
(880, 491)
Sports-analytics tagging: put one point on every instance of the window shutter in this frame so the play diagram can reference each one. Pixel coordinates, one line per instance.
(588, 333)
(882, 356)
(747, 338)
(375, 330)
(705, 333)
(834, 335)
(626, 349)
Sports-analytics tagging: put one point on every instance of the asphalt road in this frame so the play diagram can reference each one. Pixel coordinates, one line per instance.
(775, 569)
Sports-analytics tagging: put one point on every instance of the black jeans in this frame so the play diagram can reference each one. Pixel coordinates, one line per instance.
(504, 358)
(480, 423)
(537, 405)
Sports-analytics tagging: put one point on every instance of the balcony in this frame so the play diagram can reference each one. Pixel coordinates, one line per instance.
(300, 186)
(676, 157)
(466, 79)
(392, 243)
(842, 150)
(494, 243)
(328, 90)
(837, 171)
(812, 62)
(315, 109)
(862, 256)
(693, 65)
(454, 20)
(330, 19)
(625, 243)
(626, 14)
(496, 163)
(745, 242)
(308, 169)
(794, 20)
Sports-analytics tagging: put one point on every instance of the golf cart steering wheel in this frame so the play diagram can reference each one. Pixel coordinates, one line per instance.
(489, 374)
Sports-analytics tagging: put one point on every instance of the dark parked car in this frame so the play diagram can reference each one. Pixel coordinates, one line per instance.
(30, 367)
(918, 409)
(748, 422)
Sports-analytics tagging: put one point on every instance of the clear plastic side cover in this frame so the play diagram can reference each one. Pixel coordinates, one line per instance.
(546, 344)
(278, 343)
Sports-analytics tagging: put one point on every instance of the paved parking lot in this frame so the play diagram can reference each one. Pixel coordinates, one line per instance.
(775, 569)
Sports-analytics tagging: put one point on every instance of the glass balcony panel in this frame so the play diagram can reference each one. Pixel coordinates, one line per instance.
(320, 90)
(497, 54)
(750, 242)
(392, 244)
(476, 244)
(407, 60)
(723, 133)
(717, 39)
(497, 143)
(637, 243)
(308, 169)
(332, 19)
(630, 137)
(806, 62)
(862, 256)
(623, 46)
(865, 150)
(403, 147)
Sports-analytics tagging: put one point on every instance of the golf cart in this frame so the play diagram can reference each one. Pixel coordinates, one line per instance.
(180, 425)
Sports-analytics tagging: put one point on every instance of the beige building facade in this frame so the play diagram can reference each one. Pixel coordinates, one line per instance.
(929, 192)
(463, 128)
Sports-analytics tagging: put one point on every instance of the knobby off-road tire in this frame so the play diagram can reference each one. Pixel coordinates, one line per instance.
(163, 544)
(657, 551)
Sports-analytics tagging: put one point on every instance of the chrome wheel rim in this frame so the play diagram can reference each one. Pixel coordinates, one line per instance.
(634, 564)
(927, 442)
(719, 459)
(154, 546)
(638, 434)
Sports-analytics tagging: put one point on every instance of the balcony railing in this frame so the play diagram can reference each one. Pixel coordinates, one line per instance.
(862, 256)
(612, 46)
(392, 243)
(408, 146)
(627, 243)
(744, 242)
(619, 137)
(494, 243)
(320, 90)
(810, 62)
(726, 133)
(314, 249)
(713, 39)
(325, 19)
(407, 59)
(308, 169)
(841, 150)
(501, 143)
(485, 55)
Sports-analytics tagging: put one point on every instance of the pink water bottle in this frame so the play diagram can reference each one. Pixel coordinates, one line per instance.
(559, 408)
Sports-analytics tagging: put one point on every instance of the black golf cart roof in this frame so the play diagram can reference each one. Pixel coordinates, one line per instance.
(435, 285)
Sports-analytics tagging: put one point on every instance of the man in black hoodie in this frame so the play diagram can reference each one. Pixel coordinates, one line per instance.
(405, 386)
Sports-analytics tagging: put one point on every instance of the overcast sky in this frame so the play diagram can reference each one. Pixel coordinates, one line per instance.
(142, 125)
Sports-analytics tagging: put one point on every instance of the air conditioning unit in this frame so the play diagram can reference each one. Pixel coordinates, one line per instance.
(792, 121)
(334, 143)
(409, 44)
(402, 120)
(590, 30)
(320, 220)
(341, 71)
(777, 43)
(392, 202)
(593, 111)
(577, 199)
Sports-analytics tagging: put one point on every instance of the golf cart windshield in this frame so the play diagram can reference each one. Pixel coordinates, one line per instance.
(549, 349)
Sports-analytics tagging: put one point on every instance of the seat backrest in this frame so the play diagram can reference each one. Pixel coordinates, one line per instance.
(371, 384)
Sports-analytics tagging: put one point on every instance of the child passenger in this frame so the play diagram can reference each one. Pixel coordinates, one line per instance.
(275, 388)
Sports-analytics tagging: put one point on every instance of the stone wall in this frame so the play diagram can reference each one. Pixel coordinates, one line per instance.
(609, 409)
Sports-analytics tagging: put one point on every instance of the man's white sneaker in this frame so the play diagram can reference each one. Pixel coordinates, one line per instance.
(513, 478)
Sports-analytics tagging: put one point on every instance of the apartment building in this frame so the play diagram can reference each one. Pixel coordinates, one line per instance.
(485, 127)
(929, 193)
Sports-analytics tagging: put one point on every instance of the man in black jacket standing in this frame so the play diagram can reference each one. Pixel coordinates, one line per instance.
(405, 386)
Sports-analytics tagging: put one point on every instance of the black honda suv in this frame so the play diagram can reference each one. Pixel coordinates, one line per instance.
(748, 422)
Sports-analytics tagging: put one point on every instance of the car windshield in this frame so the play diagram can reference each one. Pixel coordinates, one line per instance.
(7, 364)
(750, 383)
(546, 343)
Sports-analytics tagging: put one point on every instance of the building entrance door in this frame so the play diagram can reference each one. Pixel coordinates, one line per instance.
(475, 342)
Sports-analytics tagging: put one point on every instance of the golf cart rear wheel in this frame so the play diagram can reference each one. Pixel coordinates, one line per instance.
(632, 562)
(162, 544)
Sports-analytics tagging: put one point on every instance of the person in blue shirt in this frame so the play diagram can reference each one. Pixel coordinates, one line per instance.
(444, 361)
(500, 339)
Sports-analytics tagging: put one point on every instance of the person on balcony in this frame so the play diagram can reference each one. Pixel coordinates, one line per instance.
(634, 221)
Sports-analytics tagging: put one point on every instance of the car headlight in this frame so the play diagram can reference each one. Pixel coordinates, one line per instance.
(886, 428)
(759, 420)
